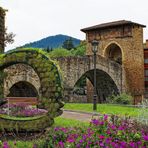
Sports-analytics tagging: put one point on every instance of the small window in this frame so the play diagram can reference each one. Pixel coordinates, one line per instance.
(146, 78)
(145, 60)
(146, 72)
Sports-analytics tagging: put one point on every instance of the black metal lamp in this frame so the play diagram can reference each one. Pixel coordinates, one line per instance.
(95, 44)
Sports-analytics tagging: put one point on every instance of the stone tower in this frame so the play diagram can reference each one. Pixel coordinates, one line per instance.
(2, 29)
(122, 41)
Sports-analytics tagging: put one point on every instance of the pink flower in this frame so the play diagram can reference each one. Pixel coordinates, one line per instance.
(101, 137)
(61, 144)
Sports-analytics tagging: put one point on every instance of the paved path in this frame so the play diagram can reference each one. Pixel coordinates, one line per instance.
(82, 116)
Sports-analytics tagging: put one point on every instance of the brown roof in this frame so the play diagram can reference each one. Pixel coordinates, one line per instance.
(111, 24)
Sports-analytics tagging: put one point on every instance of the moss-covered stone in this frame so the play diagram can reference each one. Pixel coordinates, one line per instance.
(25, 125)
(51, 85)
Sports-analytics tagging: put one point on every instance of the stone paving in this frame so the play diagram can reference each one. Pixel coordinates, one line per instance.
(82, 116)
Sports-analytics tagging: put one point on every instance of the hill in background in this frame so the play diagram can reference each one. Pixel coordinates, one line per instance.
(52, 42)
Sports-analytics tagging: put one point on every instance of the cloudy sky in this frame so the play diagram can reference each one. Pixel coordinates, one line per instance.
(31, 20)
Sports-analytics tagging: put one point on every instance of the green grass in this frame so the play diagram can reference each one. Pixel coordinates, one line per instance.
(104, 109)
(63, 122)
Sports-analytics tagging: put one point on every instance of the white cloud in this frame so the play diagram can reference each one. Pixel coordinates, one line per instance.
(34, 19)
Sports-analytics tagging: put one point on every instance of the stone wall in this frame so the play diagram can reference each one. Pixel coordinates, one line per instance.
(130, 41)
(73, 68)
(20, 73)
(2, 29)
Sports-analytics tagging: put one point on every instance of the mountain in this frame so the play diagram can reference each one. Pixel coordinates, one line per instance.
(52, 42)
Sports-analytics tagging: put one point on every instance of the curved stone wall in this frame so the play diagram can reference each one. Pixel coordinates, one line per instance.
(50, 79)
(20, 72)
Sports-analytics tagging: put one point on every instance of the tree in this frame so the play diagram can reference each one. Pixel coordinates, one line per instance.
(68, 44)
(9, 37)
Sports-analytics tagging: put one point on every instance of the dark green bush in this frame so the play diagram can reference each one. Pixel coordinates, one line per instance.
(122, 98)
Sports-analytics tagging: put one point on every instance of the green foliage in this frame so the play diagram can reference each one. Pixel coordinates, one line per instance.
(121, 99)
(2, 76)
(59, 52)
(68, 44)
(79, 50)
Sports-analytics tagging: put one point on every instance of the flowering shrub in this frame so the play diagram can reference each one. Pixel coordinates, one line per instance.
(21, 110)
(103, 132)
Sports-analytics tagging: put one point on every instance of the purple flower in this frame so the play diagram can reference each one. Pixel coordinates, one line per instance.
(101, 144)
(5, 145)
(105, 117)
(81, 141)
(34, 146)
(61, 144)
(70, 140)
(132, 144)
(95, 122)
(145, 137)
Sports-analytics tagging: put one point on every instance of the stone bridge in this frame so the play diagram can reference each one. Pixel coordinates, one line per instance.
(109, 74)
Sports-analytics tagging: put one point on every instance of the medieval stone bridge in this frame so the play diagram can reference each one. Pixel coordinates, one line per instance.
(109, 75)
(74, 68)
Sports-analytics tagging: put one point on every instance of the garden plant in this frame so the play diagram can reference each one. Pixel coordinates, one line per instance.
(104, 131)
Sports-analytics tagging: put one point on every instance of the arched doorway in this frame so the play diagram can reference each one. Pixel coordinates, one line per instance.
(105, 85)
(113, 52)
(23, 89)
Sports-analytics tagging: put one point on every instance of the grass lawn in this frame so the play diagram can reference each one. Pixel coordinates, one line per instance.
(104, 109)
(64, 122)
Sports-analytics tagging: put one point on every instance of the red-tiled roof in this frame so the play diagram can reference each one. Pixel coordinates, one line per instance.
(111, 24)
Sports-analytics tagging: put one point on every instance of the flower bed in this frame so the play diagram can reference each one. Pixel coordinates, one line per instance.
(21, 117)
(21, 110)
(103, 132)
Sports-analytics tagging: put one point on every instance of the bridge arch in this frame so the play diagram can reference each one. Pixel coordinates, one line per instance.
(105, 84)
(113, 51)
(48, 72)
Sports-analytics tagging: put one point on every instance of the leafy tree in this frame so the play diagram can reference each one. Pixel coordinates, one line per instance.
(80, 49)
(9, 37)
(68, 44)
(59, 52)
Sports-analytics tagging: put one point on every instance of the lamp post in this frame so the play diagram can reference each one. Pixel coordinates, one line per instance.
(94, 44)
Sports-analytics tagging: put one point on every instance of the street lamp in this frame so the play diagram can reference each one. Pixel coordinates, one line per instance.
(94, 44)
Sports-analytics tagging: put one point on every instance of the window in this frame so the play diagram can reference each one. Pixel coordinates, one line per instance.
(146, 72)
(146, 78)
(146, 61)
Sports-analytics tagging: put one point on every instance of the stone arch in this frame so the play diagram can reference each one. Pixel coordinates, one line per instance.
(113, 51)
(20, 88)
(48, 72)
(106, 86)
(20, 72)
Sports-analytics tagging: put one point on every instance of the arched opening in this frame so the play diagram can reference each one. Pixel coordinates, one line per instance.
(105, 86)
(23, 89)
(113, 52)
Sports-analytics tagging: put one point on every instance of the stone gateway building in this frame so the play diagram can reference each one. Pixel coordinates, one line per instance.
(122, 42)
(120, 64)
